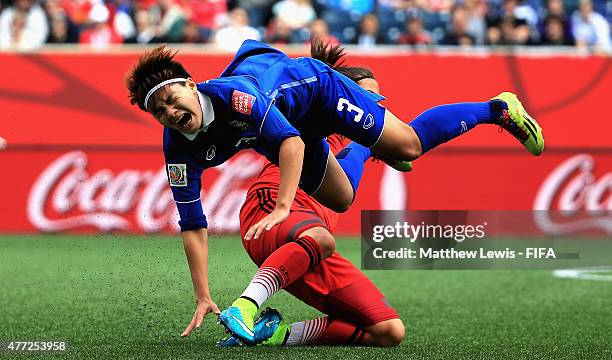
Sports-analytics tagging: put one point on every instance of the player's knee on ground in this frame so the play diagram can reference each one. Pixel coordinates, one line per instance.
(324, 238)
(387, 333)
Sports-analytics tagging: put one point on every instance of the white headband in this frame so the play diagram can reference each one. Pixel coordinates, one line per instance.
(158, 86)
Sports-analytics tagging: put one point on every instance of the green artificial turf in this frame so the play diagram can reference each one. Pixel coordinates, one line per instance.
(124, 297)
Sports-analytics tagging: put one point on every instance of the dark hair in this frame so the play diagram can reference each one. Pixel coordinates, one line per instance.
(553, 18)
(333, 56)
(151, 69)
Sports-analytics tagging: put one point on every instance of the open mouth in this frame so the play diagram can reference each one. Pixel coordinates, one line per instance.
(183, 120)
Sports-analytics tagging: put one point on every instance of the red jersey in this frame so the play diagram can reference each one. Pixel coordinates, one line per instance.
(269, 178)
(335, 286)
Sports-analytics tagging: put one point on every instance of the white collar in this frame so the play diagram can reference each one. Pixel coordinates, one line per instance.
(208, 115)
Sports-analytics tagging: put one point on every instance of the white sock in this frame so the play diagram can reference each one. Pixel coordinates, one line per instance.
(305, 332)
(264, 284)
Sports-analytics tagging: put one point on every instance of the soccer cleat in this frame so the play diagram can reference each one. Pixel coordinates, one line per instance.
(520, 124)
(266, 324)
(399, 165)
(238, 320)
(279, 337)
(229, 341)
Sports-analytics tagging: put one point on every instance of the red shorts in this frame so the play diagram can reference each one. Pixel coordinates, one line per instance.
(335, 287)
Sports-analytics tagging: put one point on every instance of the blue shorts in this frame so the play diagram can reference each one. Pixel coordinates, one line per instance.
(357, 114)
(342, 107)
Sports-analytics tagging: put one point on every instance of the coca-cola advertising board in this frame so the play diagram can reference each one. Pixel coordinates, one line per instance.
(79, 158)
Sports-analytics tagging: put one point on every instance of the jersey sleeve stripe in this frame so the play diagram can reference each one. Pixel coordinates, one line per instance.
(285, 86)
(187, 202)
(299, 82)
(266, 115)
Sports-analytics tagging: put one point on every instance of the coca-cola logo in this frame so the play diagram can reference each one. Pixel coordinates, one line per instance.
(67, 196)
(579, 201)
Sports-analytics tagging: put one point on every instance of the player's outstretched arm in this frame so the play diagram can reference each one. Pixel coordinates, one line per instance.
(195, 243)
(291, 158)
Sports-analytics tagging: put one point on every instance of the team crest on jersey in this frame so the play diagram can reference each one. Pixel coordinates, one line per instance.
(242, 125)
(369, 121)
(211, 152)
(177, 174)
(242, 102)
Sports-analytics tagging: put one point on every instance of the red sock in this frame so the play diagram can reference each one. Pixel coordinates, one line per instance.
(324, 331)
(285, 265)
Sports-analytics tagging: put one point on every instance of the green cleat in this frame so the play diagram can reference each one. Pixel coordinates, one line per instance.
(238, 320)
(520, 124)
(279, 337)
(399, 165)
(267, 328)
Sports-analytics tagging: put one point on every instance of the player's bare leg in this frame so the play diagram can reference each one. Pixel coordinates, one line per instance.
(335, 192)
(398, 140)
(343, 175)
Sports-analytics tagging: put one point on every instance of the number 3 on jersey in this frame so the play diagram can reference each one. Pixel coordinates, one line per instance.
(342, 102)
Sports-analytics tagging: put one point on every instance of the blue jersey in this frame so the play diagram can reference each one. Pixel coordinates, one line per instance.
(305, 90)
(262, 98)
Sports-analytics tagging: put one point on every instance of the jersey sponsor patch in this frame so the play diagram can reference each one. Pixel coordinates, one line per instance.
(242, 102)
(177, 174)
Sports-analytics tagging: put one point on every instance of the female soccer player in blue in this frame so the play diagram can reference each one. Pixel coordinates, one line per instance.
(283, 108)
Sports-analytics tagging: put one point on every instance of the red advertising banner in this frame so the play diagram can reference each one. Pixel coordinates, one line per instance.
(79, 158)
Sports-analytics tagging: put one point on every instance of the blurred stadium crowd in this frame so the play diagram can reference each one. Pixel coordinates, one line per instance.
(30, 24)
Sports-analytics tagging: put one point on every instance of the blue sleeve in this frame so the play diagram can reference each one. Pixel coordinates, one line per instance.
(274, 127)
(184, 177)
(247, 102)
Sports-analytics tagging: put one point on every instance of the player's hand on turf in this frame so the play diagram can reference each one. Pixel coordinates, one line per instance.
(204, 308)
(274, 218)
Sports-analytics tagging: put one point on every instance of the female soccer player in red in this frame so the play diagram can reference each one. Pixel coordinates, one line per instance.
(299, 256)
